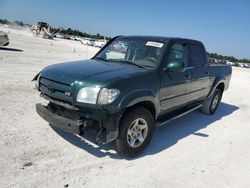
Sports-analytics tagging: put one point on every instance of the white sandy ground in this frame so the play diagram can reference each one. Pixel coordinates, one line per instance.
(194, 151)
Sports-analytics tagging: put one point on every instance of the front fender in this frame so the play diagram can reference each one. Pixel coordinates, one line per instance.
(137, 96)
(35, 78)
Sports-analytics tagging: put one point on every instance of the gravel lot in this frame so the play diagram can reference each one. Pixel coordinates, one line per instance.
(194, 151)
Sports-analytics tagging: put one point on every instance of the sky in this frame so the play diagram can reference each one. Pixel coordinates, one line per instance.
(222, 25)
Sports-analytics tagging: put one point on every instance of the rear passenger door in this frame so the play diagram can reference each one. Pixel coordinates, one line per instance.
(200, 72)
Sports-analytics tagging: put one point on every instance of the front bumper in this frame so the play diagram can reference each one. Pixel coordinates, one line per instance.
(60, 122)
(77, 121)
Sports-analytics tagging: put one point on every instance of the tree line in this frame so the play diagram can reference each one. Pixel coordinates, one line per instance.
(227, 58)
(20, 23)
(67, 31)
(75, 32)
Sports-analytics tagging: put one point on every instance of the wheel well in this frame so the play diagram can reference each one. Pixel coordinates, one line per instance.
(146, 104)
(221, 86)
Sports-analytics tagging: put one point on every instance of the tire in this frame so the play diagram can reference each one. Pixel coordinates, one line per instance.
(6, 44)
(211, 104)
(136, 131)
(34, 32)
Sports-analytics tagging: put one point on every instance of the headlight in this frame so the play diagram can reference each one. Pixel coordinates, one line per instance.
(96, 95)
(107, 96)
(88, 95)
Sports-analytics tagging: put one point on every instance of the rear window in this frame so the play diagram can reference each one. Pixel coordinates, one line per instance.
(197, 55)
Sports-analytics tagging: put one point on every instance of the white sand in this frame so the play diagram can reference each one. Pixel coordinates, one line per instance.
(193, 151)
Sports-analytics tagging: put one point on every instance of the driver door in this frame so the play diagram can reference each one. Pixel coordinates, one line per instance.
(175, 85)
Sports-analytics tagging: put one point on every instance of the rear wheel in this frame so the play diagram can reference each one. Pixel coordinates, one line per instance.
(136, 130)
(211, 104)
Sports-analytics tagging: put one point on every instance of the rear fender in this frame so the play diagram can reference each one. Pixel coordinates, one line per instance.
(220, 79)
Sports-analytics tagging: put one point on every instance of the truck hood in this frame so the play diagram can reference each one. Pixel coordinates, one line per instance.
(89, 72)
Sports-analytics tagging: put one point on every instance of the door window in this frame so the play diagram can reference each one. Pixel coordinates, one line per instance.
(197, 55)
(178, 53)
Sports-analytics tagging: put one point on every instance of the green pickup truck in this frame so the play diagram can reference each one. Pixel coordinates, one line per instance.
(132, 85)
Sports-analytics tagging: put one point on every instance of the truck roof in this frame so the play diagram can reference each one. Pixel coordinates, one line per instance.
(161, 38)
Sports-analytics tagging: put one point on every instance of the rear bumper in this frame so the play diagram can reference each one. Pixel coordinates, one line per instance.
(60, 122)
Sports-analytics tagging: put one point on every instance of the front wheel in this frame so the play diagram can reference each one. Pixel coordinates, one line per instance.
(211, 104)
(136, 130)
(34, 32)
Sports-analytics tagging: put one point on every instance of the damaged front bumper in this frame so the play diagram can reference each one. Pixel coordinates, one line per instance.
(60, 122)
(77, 120)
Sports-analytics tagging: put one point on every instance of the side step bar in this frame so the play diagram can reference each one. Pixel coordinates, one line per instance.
(177, 115)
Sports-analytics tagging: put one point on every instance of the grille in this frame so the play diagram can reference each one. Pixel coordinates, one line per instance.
(56, 90)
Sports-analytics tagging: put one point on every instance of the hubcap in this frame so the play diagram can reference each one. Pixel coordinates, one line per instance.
(137, 132)
(215, 101)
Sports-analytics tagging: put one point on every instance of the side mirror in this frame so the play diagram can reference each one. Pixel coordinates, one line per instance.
(175, 66)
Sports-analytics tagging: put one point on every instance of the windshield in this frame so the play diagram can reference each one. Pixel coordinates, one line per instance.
(143, 53)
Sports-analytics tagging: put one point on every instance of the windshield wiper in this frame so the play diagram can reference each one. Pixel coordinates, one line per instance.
(132, 63)
(101, 59)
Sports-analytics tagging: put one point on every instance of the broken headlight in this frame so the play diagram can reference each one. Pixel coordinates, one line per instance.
(107, 96)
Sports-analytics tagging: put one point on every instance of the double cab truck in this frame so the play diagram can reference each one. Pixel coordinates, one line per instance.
(132, 85)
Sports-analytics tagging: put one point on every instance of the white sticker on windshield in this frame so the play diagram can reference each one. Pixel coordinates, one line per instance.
(154, 44)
